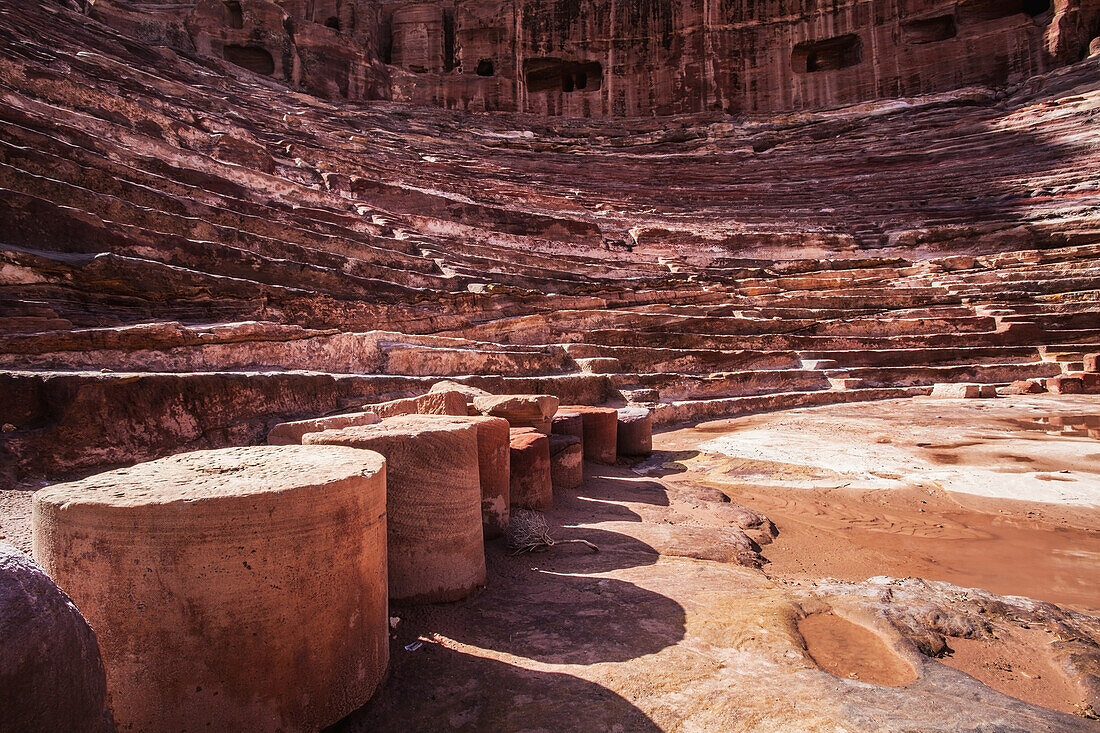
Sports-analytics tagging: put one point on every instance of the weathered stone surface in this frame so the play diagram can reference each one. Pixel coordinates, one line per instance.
(568, 422)
(494, 470)
(600, 431)
(290, 433)
(604, 59)
(1022, 387)
(521, 411)
(51, 675)
(634, 436)
(1066, 384)
(531, 482)
(447, 402)
(957, 391)
(469, 391)
(566, 461)
(237, 589)
(1091, 363)
(599, 365)
(433, 503)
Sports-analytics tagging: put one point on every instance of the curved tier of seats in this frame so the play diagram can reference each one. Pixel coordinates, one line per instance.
(190, 254)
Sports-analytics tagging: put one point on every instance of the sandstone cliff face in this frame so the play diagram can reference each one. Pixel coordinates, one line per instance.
(640, 57)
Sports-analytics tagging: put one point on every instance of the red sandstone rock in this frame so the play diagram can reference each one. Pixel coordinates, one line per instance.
(957, 391)
(1022, 387)
(568, 422)
(599, 365)
(1091, 363)
(615, 60)
(448, 386)
(494, 470)
(635, 432)
(238, 589)
(434, 403)
(534, 411)
(601, 427)
(433, 503)
(1066, 384)
(566, 461)
(51, 675)
(290, 433)
(531, 484)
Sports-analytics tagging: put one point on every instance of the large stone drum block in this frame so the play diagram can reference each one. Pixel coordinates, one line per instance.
(239, 589)
(601, 428)
(433, 503)
(566, 461)
(635, 434)
(531, 486)
(51, 676)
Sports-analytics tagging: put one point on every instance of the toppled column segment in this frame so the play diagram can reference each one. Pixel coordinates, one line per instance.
(238, 589)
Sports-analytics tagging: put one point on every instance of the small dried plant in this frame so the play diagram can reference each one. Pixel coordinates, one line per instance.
(529, 532)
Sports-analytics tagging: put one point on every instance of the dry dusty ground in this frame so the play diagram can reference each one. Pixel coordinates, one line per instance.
(673, 626)
(666, 628)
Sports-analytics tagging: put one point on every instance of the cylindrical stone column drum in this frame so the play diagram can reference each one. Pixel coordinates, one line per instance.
(494, 470)
(239, 589)
(635, 435)
(568, 423)
(531, 486)
(433, 503)
(601, 427)
(566, 461)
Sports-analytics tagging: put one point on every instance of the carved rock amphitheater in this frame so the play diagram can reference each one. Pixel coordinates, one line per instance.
(792, 310)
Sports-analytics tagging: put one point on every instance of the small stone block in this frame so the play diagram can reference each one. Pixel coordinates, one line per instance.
(963, 390)
(599, 365)
(1066, 384)
(290, 433)
(521, 411)
(444, 402)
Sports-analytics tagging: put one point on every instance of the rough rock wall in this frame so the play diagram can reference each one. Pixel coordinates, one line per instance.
(602, 58)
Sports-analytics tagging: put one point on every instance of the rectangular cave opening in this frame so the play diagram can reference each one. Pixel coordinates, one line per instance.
(253, 58)
(558, 75)
(929, 30)
(235, 13)
(448, 39)
(827, 55)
